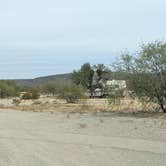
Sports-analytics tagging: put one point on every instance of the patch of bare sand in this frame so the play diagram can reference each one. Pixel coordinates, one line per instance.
(86, 139)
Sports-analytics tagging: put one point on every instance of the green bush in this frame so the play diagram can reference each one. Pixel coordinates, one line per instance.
(8, 89)
(26, 96)
(32, 94)
(70, 93)
(50, 88)
(35, 94)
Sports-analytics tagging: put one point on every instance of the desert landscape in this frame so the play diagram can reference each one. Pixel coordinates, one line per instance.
(55, 125)
(82, 83)
(84, 139)
(92, 116)
(52, 104)
(49, 131)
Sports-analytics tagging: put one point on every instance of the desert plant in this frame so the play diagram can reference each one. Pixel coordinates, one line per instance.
(26, 96)
(8, 89)
(16, 102)
(50, 88)
(35, 93)
(91, 77)
(37, 102)
(147, 72)
(71, 93)
(32, 94)
(84, 77)
(115, 96)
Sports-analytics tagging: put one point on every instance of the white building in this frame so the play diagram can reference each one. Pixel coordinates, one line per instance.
(117, 84)
(110, 86)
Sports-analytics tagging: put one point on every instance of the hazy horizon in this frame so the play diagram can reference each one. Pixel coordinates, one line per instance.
(40, 38)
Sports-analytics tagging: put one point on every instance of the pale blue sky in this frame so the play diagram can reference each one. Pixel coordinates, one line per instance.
(44, 37)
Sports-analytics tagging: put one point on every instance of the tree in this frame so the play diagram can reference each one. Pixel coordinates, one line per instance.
(71, 93)
(102, 72)
(102, 75)
(147, 72)
(32, 93)
(91, 77)
(8, 89)
(84, 77)
(51, 88)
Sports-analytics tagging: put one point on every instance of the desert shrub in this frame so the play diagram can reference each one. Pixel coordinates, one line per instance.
(91, 77)
(8, 89)
(16, 102)
(32, 94)
(35, 94)
(37, 102)
(147, 72)
(50, 88)
(115, 96)
(70, 93)
(26, 96)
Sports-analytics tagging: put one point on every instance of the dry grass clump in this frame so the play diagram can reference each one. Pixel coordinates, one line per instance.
(37, 102)
(16, 101)
(133, 105)
(89, 105)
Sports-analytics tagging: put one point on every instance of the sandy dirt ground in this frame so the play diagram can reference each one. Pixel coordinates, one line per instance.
(74, 139)
(51, 104)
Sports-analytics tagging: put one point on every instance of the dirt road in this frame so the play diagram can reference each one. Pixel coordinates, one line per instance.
(61, 139)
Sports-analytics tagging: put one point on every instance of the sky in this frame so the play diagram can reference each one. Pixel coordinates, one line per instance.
(46, 37)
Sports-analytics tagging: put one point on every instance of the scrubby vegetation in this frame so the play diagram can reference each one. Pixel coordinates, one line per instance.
(69, 92)
(51, 89)
(91, 77)
(8, 89)
(144, 73)
(16, 101)
(147, 73)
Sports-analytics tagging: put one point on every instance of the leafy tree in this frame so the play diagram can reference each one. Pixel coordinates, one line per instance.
(102, 71)
(8, 89)
(91, 77)
(102, 74)
(71, 93)
(50, 88)
(32, 93)
(147, 72)
(84, 77)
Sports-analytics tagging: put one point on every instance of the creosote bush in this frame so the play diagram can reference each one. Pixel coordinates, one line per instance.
(32, 94)
(51, 89)
(71, 93)
(147, 72)
(8, 89)
(16, 102)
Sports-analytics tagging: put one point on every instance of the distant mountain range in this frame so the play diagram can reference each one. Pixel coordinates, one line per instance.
(60, 78)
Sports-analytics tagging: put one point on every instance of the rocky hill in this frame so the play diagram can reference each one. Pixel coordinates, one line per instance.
(60, 78)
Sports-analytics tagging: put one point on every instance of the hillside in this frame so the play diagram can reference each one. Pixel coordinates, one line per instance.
(63, 78)
(60, 78)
